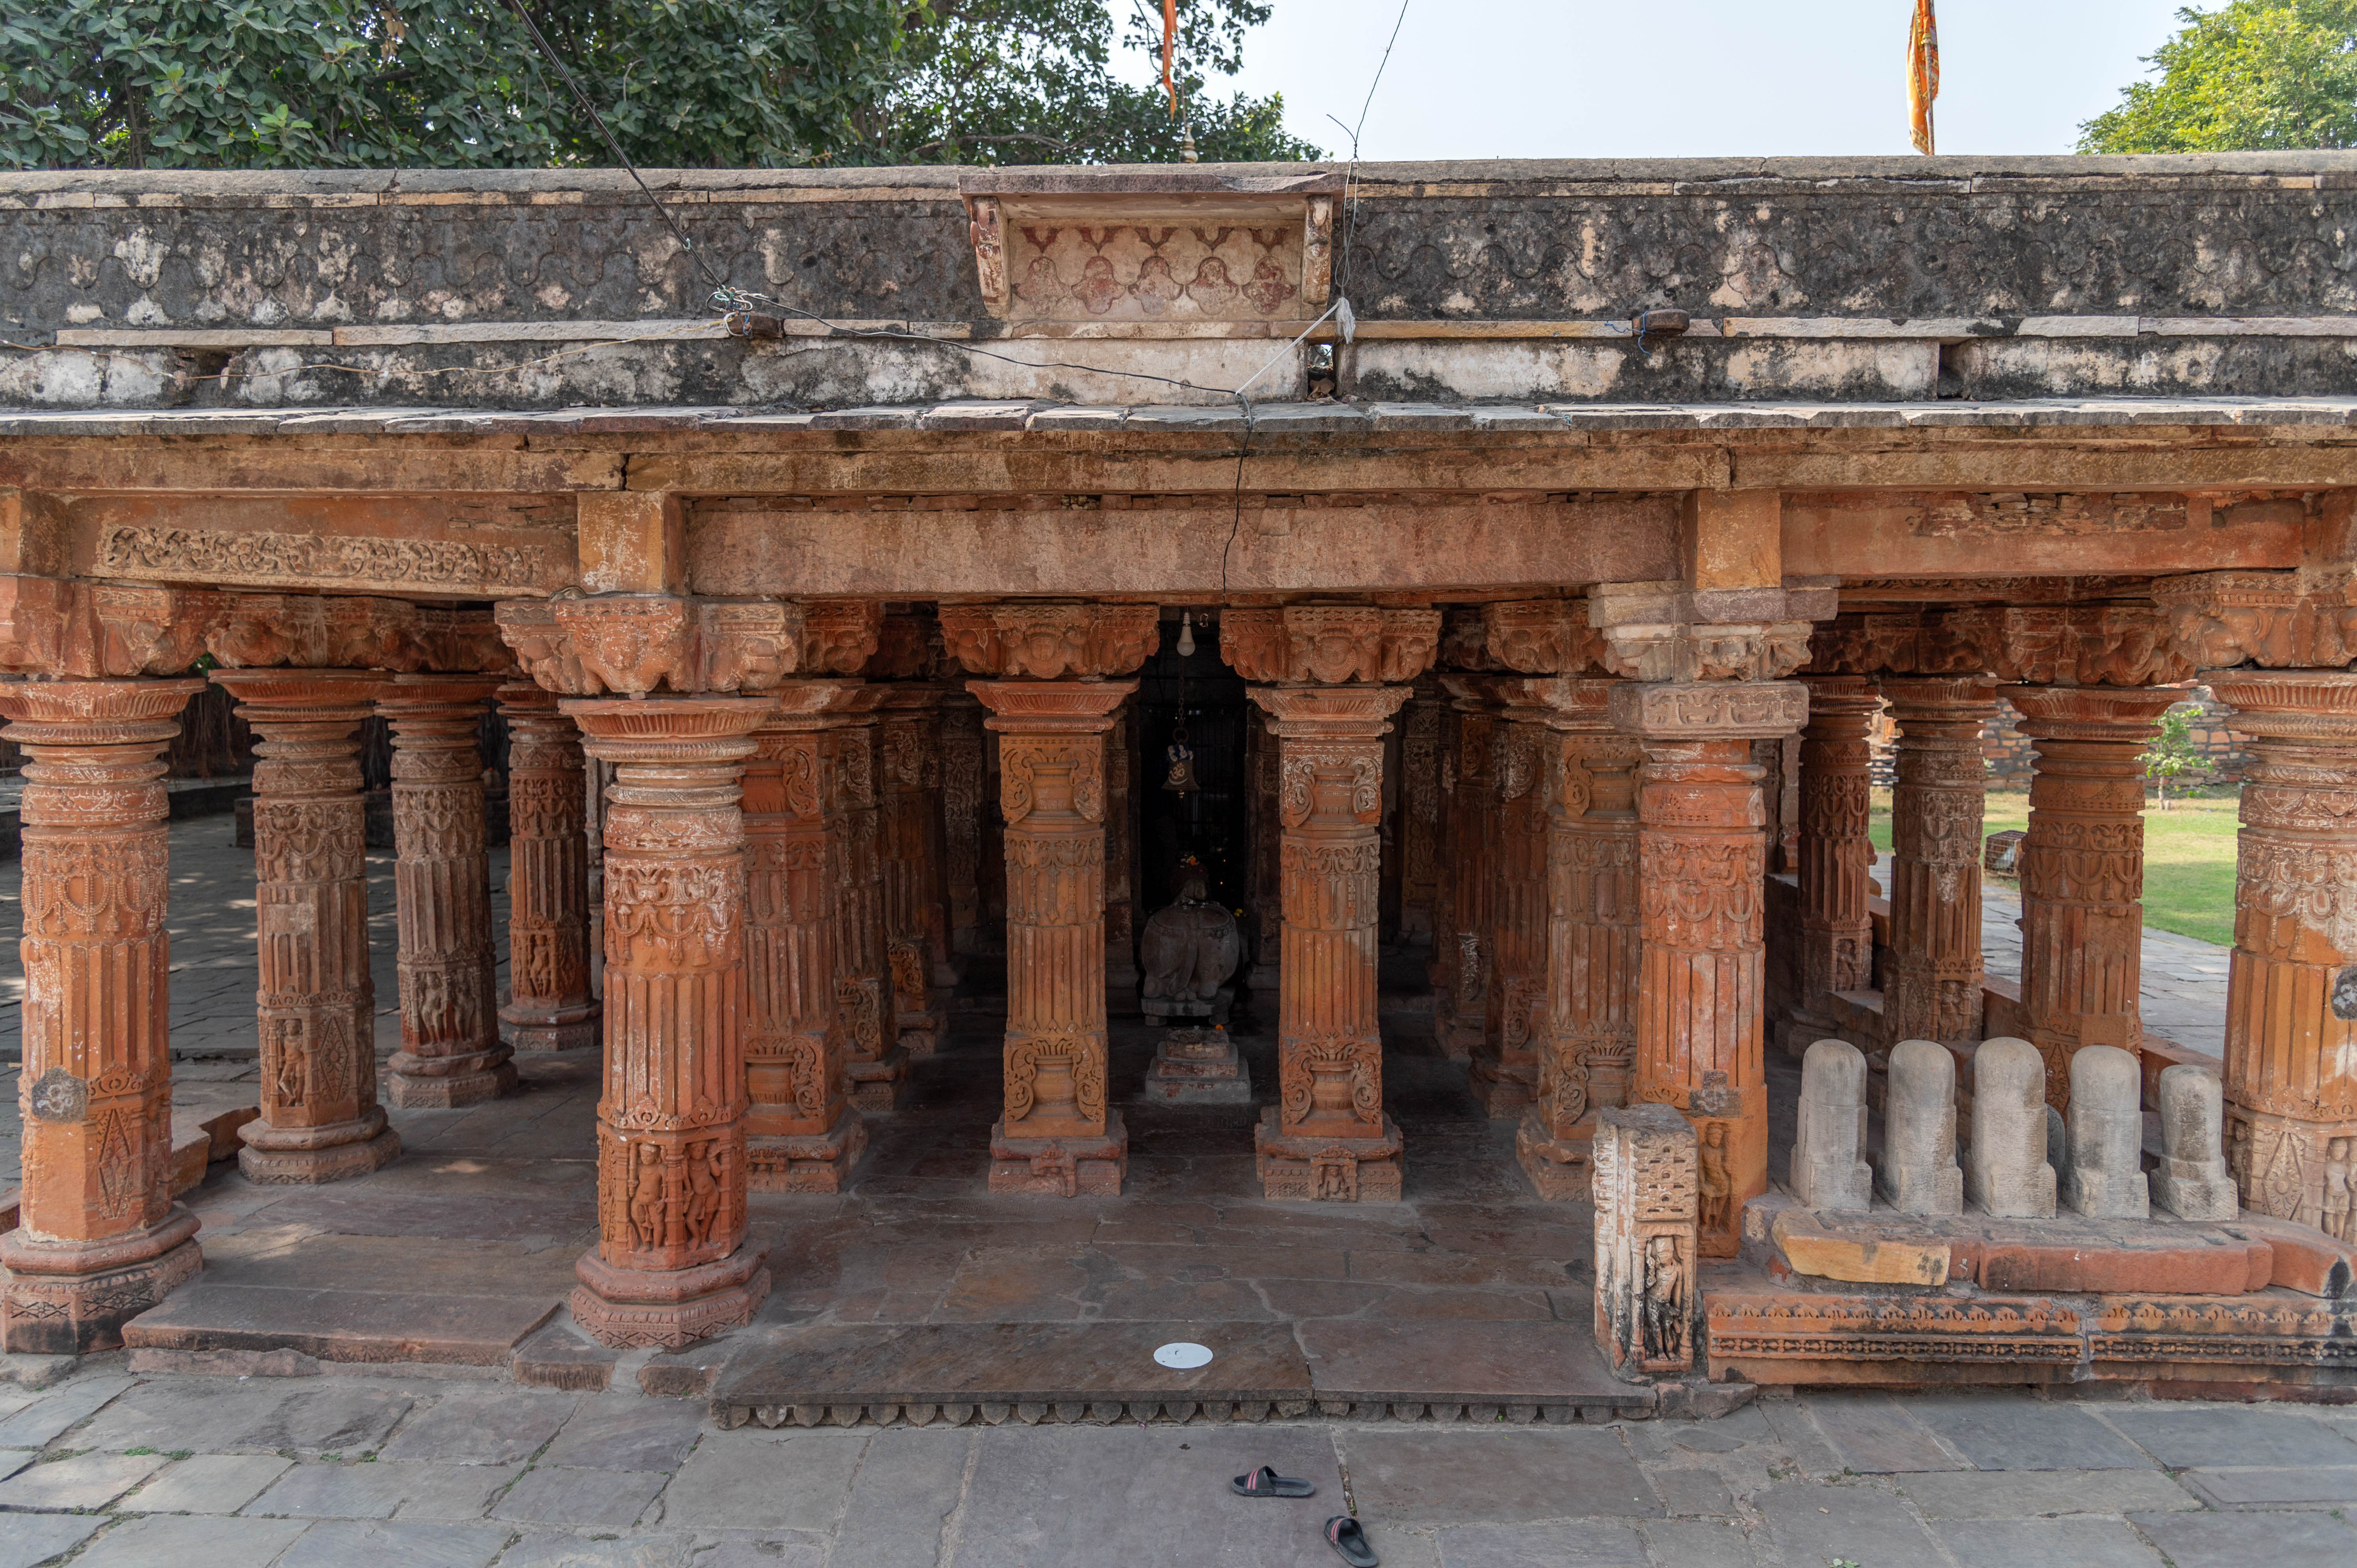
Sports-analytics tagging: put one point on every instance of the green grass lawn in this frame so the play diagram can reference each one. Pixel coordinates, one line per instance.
(2188, 859)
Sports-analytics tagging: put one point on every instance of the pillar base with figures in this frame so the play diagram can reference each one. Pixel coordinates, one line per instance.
(1082, 1164)
(1306, 1165)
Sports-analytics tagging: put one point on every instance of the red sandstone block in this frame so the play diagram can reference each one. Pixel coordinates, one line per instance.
(2073, 1266)
(8, 1195)
(2303, 1260)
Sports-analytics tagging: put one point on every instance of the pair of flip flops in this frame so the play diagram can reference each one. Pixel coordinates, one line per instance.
(1342, 1532)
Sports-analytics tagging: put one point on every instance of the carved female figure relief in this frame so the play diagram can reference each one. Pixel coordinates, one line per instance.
(1667, 1317)
(2340, 1192)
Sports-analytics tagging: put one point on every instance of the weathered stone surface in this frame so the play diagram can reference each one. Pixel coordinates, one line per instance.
(400, 1544)
(1646, 1249)
(494, 1427)
(2006, 1173)
(2192, 1182)
(585, 1499)
(1919, 1173)
(342, 1324)
(87, 1481)
(2046, 1543)
(2230, 1541)
(756, 1479)
(1997, 1431)
(2105, 1179)
(2019, 1493)
(626, 1435)
(1829, 1169)
(1877, 1436)
(161, 1541)
(1868, 1254)
(38, 1538)
(207, 1484)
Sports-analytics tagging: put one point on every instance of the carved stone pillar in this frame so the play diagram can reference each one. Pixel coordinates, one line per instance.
(1701, 859)
(1327, 1137)
(1121, 931)
(1419, 794)
(1504, 1074)
(1836, 932)
(962, 797)
(1472, 834)
(908, 749)
(801, 1132)
(315, 1005)
(1445, 969)
(1592, 937)
(1267, 840)
(450, 1051)
(672, 1263)
(2082, 870)
(875, 1061)
(550, 1008)
(1933, 991)
(100, 1240)
(2291, 998)
(1059, 1136)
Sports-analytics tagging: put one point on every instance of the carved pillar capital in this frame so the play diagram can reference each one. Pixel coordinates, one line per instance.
(633, 644)
(1709, 711)
(1327, 643)
(103, 630)
(1669, 632)
(1543, 637)
(2067, 645)
(2277, 620)
(1051, 641)
(100, 1240)
(673, 1262)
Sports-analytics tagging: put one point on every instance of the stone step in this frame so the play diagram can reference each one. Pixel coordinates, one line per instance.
(341, 1325)
(1103, 1372)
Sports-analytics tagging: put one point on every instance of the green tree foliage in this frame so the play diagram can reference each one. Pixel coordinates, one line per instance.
(2172, 750)
(726, 83)
(2256, 74)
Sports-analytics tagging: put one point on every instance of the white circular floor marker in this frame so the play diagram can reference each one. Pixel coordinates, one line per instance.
(1183, 1354)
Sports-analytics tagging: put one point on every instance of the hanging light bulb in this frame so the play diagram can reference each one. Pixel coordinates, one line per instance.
(1186, 634)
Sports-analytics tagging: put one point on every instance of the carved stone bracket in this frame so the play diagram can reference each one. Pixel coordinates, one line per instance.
(1664, 631)
(1544, 636)
(632, 644)
(1048, 642)
(2277, 620)
(1330, 644)
(1717, 710)
(262, 630)
(2072, 645)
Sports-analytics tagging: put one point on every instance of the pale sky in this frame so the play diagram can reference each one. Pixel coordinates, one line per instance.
(1477, 79)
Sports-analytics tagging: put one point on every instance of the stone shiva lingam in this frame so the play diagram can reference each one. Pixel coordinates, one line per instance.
(1190, 949)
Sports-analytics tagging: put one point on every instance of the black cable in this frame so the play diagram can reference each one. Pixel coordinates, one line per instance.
(1236, 522)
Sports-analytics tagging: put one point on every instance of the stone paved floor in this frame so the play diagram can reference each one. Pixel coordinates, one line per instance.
(351, 1468)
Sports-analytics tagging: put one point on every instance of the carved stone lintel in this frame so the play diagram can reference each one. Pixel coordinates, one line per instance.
(2082, 870)
(2274, 620)
(2072, 645)
(100, 1238)
(1330, 644)
(2291, 992)
(315, 1012)
(451, 1054)
(673, 1262)
(306, 631)
(1048, 640)
(328, 561)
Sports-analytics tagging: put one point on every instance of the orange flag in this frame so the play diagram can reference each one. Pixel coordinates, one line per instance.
(1169, 43)
(1923, 73)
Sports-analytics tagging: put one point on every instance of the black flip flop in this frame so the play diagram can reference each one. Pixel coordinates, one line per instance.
(1266, 1483)
(1343, 1534)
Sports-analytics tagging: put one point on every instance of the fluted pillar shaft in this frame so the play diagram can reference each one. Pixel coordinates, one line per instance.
(801, 1133)
(100, 1240)
(1327, 1137)
(1593, 948)
(451, 1053)
(672, 1263)
(316, 1003)
(549, 1006)
(1934, 989)
(1836, 929)
(2291, 992)
(2082, 870)
(1701, 864)
(1059, 1136)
